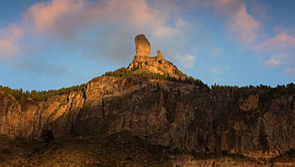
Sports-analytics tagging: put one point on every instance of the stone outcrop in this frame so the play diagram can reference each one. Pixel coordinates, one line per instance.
(173, 114)
(143, 62)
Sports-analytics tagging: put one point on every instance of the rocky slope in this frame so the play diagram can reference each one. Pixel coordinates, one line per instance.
(256, 123)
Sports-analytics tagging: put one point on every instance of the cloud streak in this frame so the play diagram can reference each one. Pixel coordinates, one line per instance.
(281, 42)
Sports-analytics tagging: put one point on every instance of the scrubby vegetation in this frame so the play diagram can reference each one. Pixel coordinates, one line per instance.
(123, 72)
(39, 95)
(264, 92)
(121, 149)
(289, 88)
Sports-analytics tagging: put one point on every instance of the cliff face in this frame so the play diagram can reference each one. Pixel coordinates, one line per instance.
(174, 114)
(163, 112)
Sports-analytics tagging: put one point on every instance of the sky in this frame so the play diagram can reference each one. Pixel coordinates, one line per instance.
(50, 44)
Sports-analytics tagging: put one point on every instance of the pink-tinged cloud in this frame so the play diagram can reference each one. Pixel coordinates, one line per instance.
(281, 42)
(242, 24)
(7, 48)
(8, 39)
(45, 14)
(64, 17)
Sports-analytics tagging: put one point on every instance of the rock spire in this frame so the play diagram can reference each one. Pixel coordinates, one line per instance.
(143, 46)
(143, 62)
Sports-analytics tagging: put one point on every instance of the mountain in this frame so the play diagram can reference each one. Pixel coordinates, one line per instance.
(156, 111)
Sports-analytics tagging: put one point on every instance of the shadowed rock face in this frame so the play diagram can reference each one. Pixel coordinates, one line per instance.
(168, 113)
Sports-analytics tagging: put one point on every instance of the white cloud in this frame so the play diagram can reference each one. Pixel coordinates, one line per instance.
(273, 62)
(187, 60)
(282, 48)
(277, 59)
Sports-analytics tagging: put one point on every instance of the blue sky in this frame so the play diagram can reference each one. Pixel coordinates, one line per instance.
(60, 43)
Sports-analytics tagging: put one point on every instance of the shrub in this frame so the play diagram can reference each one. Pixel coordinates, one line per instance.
(122, 72)
(39, 95)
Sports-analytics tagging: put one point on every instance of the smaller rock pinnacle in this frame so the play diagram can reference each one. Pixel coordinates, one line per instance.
(159, 55)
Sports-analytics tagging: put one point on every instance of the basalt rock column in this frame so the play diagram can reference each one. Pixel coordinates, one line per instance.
(143, 46)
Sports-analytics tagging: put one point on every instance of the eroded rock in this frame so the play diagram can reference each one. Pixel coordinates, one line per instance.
(250, 103)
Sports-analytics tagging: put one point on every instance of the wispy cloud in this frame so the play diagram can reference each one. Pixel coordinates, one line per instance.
(47, 15)
(187, 60)
(277, 59)
(281, 42)
(8, 40)
(290, 30)
(282, 48)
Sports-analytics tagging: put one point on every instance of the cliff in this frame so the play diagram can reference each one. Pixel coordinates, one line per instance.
(252, 122)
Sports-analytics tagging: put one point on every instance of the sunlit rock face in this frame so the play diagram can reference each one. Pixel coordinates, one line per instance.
(143, 46)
